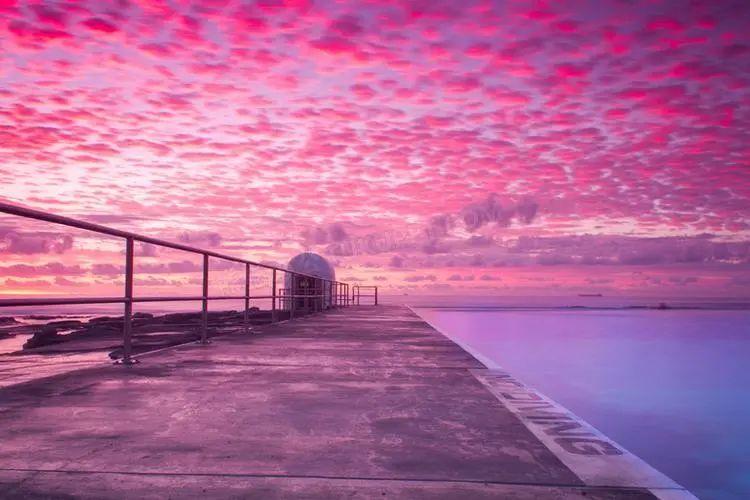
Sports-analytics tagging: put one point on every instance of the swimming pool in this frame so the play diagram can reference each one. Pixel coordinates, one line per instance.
(671, 386)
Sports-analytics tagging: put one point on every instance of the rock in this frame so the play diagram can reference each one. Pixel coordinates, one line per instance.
(105, 319)
(65, 324)
(46, 335)
(177, 318)
(8, 320)
(192, 317)
(145, 324)
(107, 329)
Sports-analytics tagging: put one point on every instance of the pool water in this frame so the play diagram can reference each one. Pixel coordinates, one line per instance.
(671, 386)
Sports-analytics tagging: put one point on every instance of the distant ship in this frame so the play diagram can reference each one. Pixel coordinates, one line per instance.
(590, 295)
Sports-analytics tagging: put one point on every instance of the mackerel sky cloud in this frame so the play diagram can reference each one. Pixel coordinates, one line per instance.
(426, 146)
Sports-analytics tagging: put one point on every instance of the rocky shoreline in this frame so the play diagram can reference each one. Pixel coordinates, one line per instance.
(104, 333)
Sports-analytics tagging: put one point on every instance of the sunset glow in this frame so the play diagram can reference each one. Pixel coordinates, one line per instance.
(434, 147)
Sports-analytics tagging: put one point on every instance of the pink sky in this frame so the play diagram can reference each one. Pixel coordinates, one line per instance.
(426, 146)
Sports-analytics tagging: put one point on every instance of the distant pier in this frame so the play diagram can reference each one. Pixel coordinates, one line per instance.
(357, 402)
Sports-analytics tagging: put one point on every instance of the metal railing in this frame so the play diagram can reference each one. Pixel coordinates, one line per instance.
(332, 292)
(357, 293)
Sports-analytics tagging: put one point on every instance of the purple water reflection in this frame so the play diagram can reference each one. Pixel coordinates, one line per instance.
(671, 386)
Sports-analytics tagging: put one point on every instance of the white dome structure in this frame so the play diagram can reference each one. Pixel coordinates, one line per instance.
(313, 264)
(310, 264)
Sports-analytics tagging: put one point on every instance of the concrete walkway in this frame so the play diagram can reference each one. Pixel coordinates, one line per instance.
(356, 403)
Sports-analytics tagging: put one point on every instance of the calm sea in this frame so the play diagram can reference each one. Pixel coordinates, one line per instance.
(672, 386)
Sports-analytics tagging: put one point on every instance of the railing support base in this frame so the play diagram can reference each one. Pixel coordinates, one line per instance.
(126, 362)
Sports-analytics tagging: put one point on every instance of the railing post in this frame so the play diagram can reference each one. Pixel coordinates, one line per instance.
(204, 316)
(127, 319)
(273, 297)
(292, 295)
(376, 295)
(247, 297)
(330, 295)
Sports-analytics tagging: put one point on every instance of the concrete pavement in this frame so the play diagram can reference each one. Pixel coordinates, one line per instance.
(355, 403)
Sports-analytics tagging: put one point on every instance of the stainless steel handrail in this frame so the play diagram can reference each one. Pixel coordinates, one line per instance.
(338, 292)
(97, 228)
(357, 293)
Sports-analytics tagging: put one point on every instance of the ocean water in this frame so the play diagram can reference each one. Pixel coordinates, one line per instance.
(672, 386)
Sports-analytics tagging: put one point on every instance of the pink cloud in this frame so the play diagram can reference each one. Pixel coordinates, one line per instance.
(34, 243)
(570, 71)
(99, 24)
(30, 33)
(665, 23)
(258, 121)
